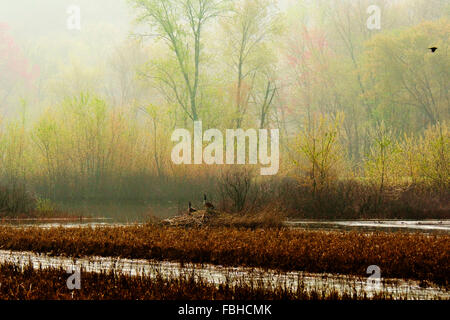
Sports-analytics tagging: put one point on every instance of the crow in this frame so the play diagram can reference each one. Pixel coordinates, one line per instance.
(433, 49)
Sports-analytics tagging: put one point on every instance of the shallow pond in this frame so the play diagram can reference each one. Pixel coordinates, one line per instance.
(118, 213)
(427, 226)
(422, 226)
(397, 288)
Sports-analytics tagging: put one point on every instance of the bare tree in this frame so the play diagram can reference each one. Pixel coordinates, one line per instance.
(235, 186)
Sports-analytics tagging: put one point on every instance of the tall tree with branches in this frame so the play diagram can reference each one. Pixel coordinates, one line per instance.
(253, 24)
(180, 24)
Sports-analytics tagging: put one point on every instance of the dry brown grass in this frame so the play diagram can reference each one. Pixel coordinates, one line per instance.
(263, 219)
(50, 284)
(399, 255)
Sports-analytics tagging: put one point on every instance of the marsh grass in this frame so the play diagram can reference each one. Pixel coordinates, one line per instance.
(269, 217)
(399, 255)
(27, 283)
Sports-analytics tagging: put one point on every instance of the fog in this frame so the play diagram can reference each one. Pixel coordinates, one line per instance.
(352, 86)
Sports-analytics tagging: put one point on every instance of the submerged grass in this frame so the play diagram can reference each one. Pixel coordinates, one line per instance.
(399, 255)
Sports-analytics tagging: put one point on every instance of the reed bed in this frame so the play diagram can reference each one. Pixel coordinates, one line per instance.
(27, 283)
(399, 255)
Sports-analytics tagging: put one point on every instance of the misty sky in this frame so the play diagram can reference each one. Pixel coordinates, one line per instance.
(31, 19)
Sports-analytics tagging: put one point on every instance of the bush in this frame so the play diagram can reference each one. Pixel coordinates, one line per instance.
(16, 200)
(234, 187)
(44, 206)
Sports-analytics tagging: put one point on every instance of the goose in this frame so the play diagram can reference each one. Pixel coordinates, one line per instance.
(208, 205)
(190, 209)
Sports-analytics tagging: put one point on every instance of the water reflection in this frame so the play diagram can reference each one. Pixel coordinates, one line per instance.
(352, 285)
(422, 226)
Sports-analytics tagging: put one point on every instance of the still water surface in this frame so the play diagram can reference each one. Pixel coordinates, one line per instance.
(397, 288)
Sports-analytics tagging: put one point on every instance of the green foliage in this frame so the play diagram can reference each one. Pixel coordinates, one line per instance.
(434, 158)
(180, 25)
(97, 129)
(402, 74)
(381, 161)
(319, 150)
(44, 206)
(426, 157)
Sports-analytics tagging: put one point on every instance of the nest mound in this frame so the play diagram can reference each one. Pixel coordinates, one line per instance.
(194, 219)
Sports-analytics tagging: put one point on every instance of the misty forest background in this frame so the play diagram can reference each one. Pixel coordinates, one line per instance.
(86, 116)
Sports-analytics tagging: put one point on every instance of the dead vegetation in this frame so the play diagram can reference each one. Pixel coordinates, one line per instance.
(399, 255)
(194, 219)
(16, 199)
(270, 217)
(26, 283)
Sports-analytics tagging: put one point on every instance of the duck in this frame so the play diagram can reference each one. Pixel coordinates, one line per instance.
(208, 205)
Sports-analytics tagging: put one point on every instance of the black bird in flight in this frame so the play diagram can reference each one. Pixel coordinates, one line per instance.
(433, 49)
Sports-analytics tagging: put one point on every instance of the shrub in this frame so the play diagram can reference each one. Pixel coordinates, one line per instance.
(16, 200)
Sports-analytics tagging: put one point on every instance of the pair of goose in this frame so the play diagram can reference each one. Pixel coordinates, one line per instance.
(206, 204)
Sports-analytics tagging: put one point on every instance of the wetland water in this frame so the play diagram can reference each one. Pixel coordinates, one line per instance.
(423, 226)
(397, 288)
(115, 214)
(133, 213)
(426, 226)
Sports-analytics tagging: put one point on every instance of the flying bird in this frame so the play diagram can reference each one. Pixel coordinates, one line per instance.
(433, 49)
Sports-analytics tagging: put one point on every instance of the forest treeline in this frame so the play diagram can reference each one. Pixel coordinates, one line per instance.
(363, 114)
